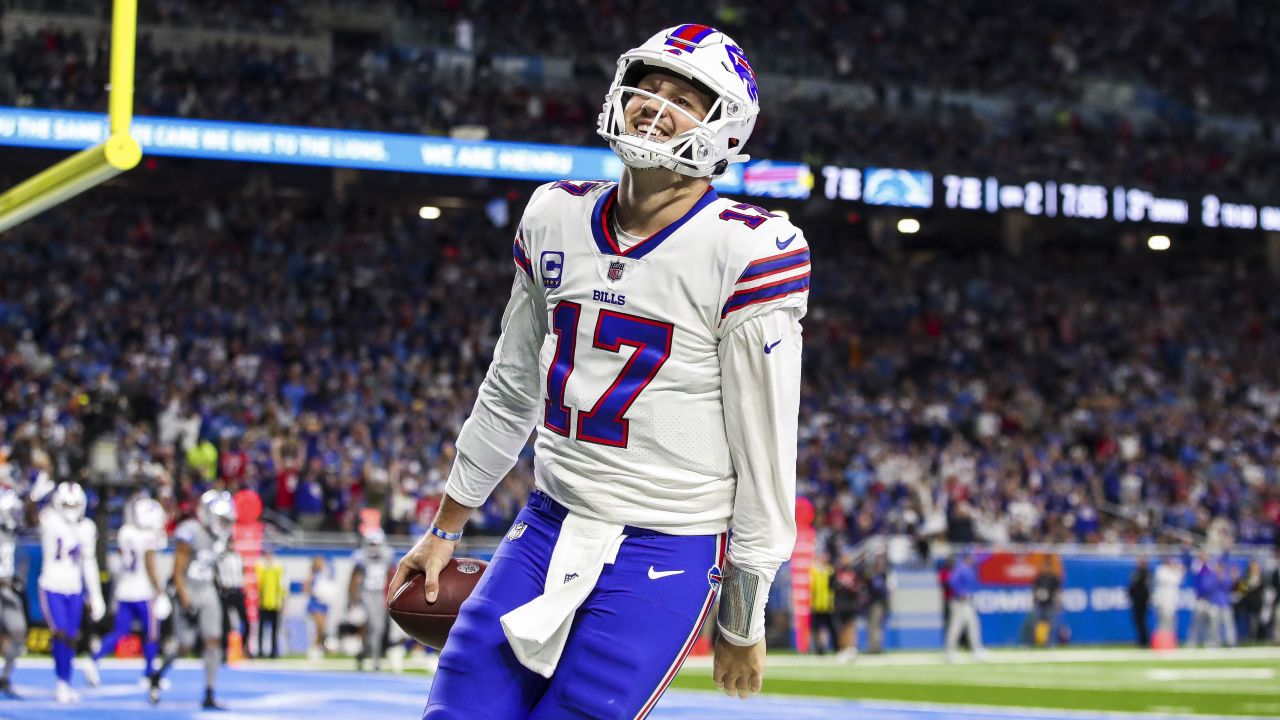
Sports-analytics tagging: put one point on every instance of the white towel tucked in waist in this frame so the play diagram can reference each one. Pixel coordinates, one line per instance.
(537, 630)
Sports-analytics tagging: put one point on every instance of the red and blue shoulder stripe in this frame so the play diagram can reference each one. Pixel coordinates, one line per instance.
(521, 256)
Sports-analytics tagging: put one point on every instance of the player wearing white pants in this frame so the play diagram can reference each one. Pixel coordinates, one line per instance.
(13, 618)
(964, 617)
(1168, 583)
(197, 545)
(368, 590)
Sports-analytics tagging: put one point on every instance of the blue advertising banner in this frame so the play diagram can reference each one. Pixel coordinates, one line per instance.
(214, 140)
(1094, 603)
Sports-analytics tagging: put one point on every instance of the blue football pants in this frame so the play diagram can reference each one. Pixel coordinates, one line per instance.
(627, 641)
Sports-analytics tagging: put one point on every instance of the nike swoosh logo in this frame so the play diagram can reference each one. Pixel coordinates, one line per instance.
(783, 245)
(655, 575)
(768, 348)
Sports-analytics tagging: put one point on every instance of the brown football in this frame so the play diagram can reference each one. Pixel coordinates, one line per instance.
(430, 624)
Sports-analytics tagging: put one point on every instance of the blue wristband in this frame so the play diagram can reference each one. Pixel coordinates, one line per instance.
(451, 537)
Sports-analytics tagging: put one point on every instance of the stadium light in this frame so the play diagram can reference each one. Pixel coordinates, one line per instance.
(429, 212)
(908, 226)
(1159, 242)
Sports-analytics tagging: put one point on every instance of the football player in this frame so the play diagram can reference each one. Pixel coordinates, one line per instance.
(197, 544)
(367, 590)
(139, 594)
(68, 576)
(13, 616)
(653, 340)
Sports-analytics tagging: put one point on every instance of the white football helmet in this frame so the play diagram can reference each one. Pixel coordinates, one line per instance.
(148, 514)
(709, 58)
(217, 512)
(69, 500)
(10, 510)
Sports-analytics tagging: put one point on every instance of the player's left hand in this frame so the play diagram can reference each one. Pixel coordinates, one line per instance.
(97, 609)
(738, 670)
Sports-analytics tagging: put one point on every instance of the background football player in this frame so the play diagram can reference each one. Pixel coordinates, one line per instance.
(367, 590)
(13, 614)
(139, 594)
(68, 577)
(197, 544)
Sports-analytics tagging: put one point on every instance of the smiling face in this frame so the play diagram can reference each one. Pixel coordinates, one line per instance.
(642, 111)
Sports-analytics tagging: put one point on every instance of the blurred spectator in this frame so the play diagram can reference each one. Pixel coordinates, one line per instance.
(1247, 595)
(1041, 625)
(822, 605)
(1273, 601)
(848, 602)
(273, 588)
(877, 583)
(1140, 601)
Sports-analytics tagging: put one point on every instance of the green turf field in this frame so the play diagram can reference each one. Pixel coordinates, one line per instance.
(1243, 681)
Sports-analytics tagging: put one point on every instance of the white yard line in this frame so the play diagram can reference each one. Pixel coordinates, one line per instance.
(1021, 657)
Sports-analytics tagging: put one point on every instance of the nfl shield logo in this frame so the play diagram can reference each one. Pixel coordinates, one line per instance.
(615, 270)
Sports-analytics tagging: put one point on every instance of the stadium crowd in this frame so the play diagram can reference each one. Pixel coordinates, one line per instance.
(325, 357)
(1202, 56)
(1038, 74)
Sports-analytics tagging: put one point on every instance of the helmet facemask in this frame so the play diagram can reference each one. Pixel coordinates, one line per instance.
(688, 153)
(70, 502)
(714, 65)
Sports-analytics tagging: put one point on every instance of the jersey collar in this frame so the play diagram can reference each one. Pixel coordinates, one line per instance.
(602, 225)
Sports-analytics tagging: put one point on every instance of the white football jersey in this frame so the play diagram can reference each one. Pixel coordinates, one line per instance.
(662, 378)
(132, 582)
(64, 547)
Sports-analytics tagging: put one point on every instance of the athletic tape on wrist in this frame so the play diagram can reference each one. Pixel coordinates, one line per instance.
(742, 598)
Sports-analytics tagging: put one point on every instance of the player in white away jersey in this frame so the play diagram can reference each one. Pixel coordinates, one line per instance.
(653, 339)
(68, 576)
(139, 594)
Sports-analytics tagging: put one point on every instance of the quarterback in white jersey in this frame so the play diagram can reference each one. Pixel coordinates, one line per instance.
(653, 340)
(68, 577)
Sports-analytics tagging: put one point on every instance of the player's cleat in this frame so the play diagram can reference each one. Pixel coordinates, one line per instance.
(144, 682)
(64, 695)
(6, 689)
(153, 688)
(91, 674)
(210, 703)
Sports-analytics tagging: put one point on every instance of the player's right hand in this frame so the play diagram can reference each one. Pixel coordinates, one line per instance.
(738, 670)
(428, 557)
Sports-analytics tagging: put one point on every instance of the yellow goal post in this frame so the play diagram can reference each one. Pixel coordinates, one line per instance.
(92, 166)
